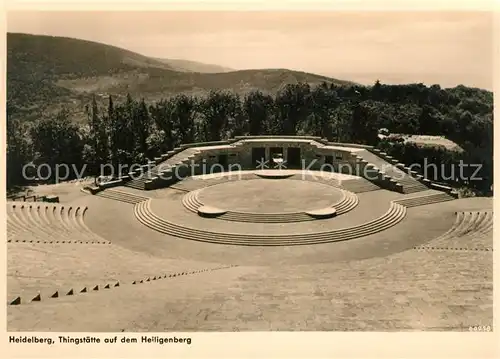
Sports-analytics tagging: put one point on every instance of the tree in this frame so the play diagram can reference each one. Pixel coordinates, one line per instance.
(57, 141)
(17, 151)
(293, 104)
(258, 108)
(217, 108)
(184, 111)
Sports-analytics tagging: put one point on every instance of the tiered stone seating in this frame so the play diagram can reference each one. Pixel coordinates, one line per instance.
(48, 223)
(121, 196)
(472, 230)
(429, 197)
(393, 216)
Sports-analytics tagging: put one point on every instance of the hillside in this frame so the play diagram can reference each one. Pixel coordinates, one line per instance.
(46, 73)
(194, 66)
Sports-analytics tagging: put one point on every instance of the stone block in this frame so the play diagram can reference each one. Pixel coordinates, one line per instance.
(16, 301)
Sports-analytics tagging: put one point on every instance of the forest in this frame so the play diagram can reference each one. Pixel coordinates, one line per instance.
(135, 130)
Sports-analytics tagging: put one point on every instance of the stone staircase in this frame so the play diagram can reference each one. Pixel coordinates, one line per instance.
(165, 170)
(410, 184)
(428, 197)
(117, 195)
(359, 185)
(49, 223)
(392, 217)
(192, 203)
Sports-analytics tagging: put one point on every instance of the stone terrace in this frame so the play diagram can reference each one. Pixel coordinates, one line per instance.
(432, 270)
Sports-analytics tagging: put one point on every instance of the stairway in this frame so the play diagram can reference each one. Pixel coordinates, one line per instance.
(410, 184)
(430, 197)
(359, 185)
(348, 202)
(393, 216)
(164, 169)
(121, 196)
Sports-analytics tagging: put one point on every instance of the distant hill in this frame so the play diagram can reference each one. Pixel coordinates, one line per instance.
(45, 73)
(194, 66)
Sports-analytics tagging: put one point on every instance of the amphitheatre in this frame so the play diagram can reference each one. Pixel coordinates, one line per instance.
(279, 237)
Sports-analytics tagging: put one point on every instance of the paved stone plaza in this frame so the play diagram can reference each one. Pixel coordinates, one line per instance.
(134, 260)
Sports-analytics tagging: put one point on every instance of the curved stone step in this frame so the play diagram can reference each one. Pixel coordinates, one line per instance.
(85, 230)
(481, 222)
(28, 233)
(192, 203)
(266, 218)
(469, 224)
(487, 226)
(14, 222)
(348, 202)
(393, 216)
(51, 230)
(50, 224)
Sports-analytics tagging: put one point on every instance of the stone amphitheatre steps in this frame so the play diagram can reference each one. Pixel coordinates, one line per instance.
(428, 198)
(393, 216)
(42, 269)
(49, 223)
(121, 196)
(359, 185)
(472, 230)
(410, 184)
(347, 203)
(165, 167)
(25, 298)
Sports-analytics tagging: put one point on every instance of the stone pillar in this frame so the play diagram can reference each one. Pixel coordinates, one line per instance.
(268, 154)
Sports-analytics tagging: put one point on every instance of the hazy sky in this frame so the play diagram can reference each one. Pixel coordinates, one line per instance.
(396, 47)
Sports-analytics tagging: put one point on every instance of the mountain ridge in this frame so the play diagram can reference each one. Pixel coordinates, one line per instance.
(46, 73)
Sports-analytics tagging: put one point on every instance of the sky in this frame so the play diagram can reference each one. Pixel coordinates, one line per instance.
(447, 48)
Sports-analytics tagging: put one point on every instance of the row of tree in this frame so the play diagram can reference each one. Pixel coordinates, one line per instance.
(133, 131)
